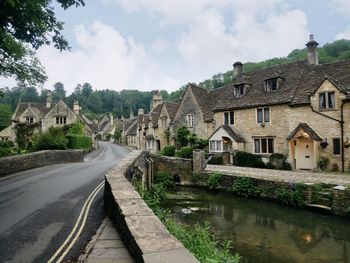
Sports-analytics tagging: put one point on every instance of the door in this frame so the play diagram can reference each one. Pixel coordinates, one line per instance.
(304, 155)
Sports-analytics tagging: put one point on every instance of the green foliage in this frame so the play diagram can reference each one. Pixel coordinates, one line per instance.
(246, 159)
(24, 133)
(5, 116)
(7, 148)
(6, 144)
(214, 180)
(323, 163)
(76, 128)
(182, 137)
(245, 187)
(201, 243)
(76, 141)
(294, 196)
(195, 178)
(166, 179)
(216, 159)
(278, 161)
(108, 137)
(24, 26)
(168, 150)
(53, 139)
(117, 134)
(185, 152)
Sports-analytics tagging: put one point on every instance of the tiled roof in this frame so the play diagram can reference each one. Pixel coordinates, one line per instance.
(233, 134)
(299, 81)
(132, 129)
(172, 107)
(39, 108)
(306, 129)
(205, 101)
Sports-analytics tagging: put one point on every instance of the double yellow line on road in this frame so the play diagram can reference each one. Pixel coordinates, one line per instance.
(75, 233)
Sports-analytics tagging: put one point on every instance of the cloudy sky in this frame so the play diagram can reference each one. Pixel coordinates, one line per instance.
(163, 44)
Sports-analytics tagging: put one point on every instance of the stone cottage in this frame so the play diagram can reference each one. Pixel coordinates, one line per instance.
(299, 109)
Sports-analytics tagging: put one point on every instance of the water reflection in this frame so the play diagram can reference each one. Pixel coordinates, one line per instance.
(264, 231)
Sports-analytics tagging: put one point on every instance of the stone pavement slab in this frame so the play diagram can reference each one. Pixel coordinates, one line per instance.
(283, 176)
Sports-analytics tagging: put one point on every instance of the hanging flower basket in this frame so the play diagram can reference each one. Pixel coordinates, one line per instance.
(324, 144)
(346, 144)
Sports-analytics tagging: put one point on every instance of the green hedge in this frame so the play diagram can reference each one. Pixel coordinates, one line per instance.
(79, 141)
(185, 152)
(248, 160)
(168, 150)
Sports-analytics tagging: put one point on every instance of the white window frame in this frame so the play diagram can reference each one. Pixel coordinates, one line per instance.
(189, 120)
(217, 146)
(239, 90)
(326, 94)
(260, 139)
(230, 121)
(29, 119)
(268, 85)
(263, 115)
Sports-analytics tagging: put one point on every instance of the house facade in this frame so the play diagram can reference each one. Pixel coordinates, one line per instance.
(298, 109)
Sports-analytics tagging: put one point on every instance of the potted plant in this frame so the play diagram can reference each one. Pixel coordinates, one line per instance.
(324, 144)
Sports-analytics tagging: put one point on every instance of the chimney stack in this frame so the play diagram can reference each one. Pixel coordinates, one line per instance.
(312, 54)
(76, 107)
(111, 118)
(237, 69)
(141, 112)
(48, 100)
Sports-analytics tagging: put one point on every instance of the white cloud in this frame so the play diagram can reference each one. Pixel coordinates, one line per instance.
(160, 45)
(344, 35)
(341, 7)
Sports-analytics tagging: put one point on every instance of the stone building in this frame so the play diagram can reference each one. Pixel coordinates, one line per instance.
(299, 109)
(45, 115)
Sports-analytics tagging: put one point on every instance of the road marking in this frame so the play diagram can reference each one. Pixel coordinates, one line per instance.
(83, 214)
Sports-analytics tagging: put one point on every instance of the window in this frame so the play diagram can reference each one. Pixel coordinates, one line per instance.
(239, 90)
(229, 118)
(189, 120)
(263, 115)
(327, 100)
(61, 120)
(215, 146)
(29, 119)
(163, 122)
(336, 146)
(263, 145)
(271, 84)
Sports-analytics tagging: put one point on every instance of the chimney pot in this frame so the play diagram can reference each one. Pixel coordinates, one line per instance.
(237, 69)
(312, 53)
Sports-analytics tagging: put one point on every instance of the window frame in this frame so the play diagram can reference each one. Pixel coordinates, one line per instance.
(218, 145)
(263, 115)
(326, 100)
(229, 118)
(270, 83)
(339, 149)
(29, 120)
(190, 120)
(268, 147)
(239, 90)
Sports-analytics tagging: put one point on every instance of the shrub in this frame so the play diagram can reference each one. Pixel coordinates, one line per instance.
(185, 152)
(166, 179)
(182, 136)
(214, 180)
(168, 150)
(294, 196)
(195, 178)
(246, 159)
(76, 128)
(278, 161)
(216, 159)
(6, 144)
(108, 137)
(245, 187)
(79, 141)
(6, 151)
(323, 163)
(53, 139)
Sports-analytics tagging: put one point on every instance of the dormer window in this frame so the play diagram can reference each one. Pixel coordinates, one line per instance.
(327, 100)
(239, 90)
(271, 84)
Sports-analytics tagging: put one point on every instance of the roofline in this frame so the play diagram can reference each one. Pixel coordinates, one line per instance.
(251, 107)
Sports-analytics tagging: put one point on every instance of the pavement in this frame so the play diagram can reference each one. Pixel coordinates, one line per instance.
(283, 176)
(40, 207)
(106, 247)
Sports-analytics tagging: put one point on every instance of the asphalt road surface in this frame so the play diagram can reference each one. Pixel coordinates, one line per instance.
(39, 207)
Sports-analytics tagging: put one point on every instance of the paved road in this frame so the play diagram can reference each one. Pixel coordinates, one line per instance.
(39, 207)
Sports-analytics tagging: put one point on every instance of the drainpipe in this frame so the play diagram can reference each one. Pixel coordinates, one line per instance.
(341, 122)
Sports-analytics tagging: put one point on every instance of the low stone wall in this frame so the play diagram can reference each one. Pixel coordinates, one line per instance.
(143, 233)
(174, 165)
(18, 163)
(327, 197)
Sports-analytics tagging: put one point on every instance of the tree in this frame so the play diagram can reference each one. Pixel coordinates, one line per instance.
(24, 27)
(117, 134)
(5, 116)
(29, 94)
(58, 92)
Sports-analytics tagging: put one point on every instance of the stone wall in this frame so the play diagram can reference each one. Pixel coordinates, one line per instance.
(143, 233)
(174, 165)
(18, 163)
